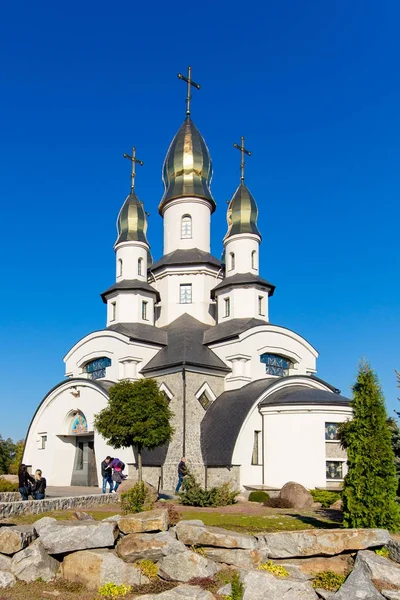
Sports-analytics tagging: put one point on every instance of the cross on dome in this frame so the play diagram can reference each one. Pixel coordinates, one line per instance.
(190, 82)
(243, 151)
(134, 160)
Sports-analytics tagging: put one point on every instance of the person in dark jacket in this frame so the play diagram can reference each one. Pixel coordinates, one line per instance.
(24, 482)
(39, 487)
(182, 472)
(106, 473)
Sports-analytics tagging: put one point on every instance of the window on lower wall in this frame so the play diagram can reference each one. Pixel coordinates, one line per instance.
(227, 307)
(144, 311)
(96, 369)
(185, 293)
(255, 457)
(42, 440)
(276, 365)
(332, 432)
(204, 400)
(334, 469)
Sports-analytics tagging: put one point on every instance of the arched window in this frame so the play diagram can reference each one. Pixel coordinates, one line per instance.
(119, 267)
(96, 369)
(140, 266)
(276, 364)
(186, 227)
(232, 261)
(253, 260)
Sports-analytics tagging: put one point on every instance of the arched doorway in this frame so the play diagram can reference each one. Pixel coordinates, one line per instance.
(84, 471)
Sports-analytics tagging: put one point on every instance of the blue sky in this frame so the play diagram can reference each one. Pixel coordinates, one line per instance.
(314, 88)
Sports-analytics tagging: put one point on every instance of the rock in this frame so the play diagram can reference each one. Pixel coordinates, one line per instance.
(43, 522)
(182, 592)
(149, 520)
(380, 568)
(5, 563)
(112, 519)
(358, 585)
(342, 564)
(15, 538)
(316, 505)
(194, 535)
(260, 585)
(7, 579)
(186, 566)
(10, 478)
(294, 495)
(197, 522)
(94, 568)
(244, 559)
(79, 515)
(128, 484)
(226, 590)
(324, 542)
(324, 594)
(338, 505)
(391, 594)
(394, 550)
(34, 562)
(69, 536)
(151, 546)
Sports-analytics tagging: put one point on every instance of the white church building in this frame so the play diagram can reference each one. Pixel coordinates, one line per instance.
(248, 406)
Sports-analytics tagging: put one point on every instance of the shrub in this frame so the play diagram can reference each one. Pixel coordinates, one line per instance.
(237, 588)
(328, 580)
(277, 570)
(383, 552)
(325, 497)
(147, 568)
(8, 486)
(258, 496)
(173, 515)
(137, 499)
(194, 495)
(112, 590)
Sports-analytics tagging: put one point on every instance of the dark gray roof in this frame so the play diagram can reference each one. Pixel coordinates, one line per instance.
(192, 256)
(130, 284)
(223, 420)
(185, 347)
(141, 332)
(242, 279)
(155, 457)
(230, 329)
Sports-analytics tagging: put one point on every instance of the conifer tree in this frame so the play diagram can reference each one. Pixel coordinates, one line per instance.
(370, 486)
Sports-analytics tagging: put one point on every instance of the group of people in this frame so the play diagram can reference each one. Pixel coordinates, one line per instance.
(31, 486)
(112, 473)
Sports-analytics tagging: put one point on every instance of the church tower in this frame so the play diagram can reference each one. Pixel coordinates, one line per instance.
(131, 299)
(242, 293)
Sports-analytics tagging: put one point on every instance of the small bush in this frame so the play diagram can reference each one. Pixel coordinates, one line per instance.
(147, 568)
(194, 495)
(7, 486)
(258, 496)
(237, 587)
(328, 580)
(137, 499)
(325, 497)
(112, 590)
(173, 516)
(277, 570)
(207, 583)
(383, 552)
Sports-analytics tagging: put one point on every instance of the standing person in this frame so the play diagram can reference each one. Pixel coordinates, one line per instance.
(38, 489)
(106, 472)
(182, 472)
(117, 466)
(24, 482)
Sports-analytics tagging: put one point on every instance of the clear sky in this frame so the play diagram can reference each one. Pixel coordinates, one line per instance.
(314, 88)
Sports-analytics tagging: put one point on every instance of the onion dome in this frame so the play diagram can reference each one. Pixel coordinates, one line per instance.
(242, 213)
(187, 170)
(132, 221)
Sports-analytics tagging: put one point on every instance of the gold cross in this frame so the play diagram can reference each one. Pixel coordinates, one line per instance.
(243, 152)
(190, 82)
(134, 161)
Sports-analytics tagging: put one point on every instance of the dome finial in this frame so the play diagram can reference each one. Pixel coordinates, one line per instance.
(190, 82)
(134, 161)
(243, 151)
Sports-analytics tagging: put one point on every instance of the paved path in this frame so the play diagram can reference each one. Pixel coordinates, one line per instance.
(62, 492)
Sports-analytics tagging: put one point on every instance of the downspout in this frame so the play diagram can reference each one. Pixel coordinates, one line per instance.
(184, 409)
(262, 449)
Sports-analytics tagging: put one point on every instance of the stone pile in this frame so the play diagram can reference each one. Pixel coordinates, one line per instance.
(98, 552)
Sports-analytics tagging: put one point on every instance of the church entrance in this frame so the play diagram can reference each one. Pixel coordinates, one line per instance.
(84, 470)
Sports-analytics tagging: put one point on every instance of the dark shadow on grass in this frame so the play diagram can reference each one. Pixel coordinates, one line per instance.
(320, 519)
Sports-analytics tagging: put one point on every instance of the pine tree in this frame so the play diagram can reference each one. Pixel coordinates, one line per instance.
(370, 486)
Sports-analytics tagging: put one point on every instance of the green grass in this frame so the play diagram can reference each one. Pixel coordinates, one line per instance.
(61, 515)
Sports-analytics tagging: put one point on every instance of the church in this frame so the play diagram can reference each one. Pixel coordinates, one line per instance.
(248, 405)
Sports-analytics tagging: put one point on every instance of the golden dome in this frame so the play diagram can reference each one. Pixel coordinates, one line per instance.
(242, 213)
(132, 221)
(187, 170)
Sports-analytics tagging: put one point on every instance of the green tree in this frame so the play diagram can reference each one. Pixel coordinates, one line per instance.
(19, 451)
(370, 486)
(137, 416)
(7, 454)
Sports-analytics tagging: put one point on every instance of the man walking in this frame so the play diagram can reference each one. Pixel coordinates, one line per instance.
(182, 471)
(106, 474)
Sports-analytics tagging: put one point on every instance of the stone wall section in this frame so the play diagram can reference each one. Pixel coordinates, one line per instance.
(35, 507)
(10, 496)
(334, 450)
(217, 476)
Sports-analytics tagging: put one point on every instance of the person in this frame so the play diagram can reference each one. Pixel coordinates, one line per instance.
(24, 482)
(106, 472)
(38, 489)
(182, 472)
(117, 466)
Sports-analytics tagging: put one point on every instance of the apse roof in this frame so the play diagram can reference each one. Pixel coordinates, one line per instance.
(141, 332)
(130, 284)
(230, 329)
(242, 279)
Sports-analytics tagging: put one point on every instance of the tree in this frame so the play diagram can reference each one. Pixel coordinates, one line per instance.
(7, 454)
(370, 486)
(19, 451)
(137, 415)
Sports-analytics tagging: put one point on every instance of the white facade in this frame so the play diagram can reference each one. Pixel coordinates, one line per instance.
(175, 236)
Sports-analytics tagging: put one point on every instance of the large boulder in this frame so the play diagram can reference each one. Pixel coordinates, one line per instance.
(94, 568)
(5, 562)
(151, 546)
(394, 550)
(320, 542)
(380, 568)
(294, 495)
(16, 538)
(358, 585)
(243, 559)
(7, 579)
(341, 565)
(34, 563)
(182, 592)
(128, 484)
(149, 520)
(43, 522)
(69, 536)
(260, 585)
(186, 566)
(195, 535)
